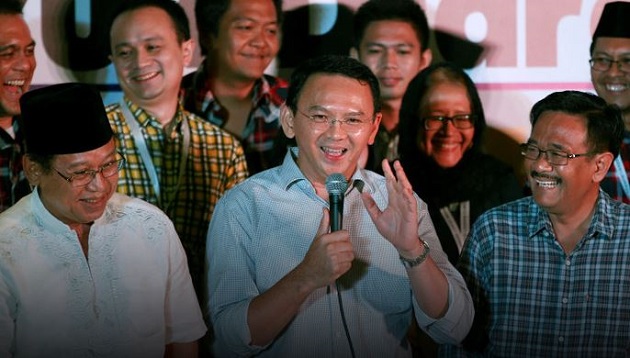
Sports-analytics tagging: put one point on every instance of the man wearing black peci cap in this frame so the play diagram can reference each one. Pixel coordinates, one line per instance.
(610, 74)
(85, 271)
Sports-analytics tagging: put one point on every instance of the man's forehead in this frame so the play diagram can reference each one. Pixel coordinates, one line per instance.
(604, 44)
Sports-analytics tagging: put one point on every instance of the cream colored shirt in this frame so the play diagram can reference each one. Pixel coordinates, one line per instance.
(131, 297)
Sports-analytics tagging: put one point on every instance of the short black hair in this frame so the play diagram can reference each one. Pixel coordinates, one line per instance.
(208, 14)
(333, 65)
(604, 122)
(410, 122)
(11, 7)
(407, 11)
(172, 8)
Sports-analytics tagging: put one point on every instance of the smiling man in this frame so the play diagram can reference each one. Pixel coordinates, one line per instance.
(239, 39)
(85, 271)
(17, 64)
(610, 74)
(549, 273)
(282, 285)
(176, 160)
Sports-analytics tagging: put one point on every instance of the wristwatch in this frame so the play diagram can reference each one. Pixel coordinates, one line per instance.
(409, 263)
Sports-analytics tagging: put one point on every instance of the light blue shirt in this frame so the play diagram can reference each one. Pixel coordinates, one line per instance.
(262, 229)
(131, 297)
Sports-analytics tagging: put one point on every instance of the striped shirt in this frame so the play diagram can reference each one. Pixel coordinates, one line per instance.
(536, 300)
(215, 163)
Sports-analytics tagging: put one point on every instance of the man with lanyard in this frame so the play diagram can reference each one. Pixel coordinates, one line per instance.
(17, 64)
(175, 160)
(610, 74)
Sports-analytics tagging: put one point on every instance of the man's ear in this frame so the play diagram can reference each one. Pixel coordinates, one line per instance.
(603, 162)
(188, 49)
(287, 120)
(425, 59)
(32, 170)
(354, 53)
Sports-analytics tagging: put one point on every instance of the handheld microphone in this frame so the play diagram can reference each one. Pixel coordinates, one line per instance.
(336, 185)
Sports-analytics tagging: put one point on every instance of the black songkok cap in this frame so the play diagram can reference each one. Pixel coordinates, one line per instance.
(64, 119)
(615, 20)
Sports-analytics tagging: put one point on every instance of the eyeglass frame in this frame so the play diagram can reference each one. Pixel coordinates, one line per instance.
(341, 122)
(558, 154)
(619, 63)
(92, 173)
(443, 119)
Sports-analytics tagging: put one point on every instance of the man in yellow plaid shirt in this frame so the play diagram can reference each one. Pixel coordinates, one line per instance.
(175, 160)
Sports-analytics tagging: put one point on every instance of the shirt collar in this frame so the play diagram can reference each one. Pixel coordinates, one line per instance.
(145, 118)
(262, 96)
(291, 174)
(601, 226)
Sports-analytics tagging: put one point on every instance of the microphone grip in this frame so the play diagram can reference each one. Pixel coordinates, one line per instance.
(336, 212)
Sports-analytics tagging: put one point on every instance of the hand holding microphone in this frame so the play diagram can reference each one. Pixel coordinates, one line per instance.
(331, 253)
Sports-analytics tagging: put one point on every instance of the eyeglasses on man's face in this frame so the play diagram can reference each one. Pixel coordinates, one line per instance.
(351, 124)
(460, 121)
(84, 177)
(554, 157)
(604, 64)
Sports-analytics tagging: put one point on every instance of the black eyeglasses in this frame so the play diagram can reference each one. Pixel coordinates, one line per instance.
(460, 121)
(84, 177)
(554, 157)
(604, 64)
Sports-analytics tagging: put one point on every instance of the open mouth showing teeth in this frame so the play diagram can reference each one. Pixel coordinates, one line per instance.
(335, 152)
(148, 76)
(546, 183)
(616, 87)
(17, 83)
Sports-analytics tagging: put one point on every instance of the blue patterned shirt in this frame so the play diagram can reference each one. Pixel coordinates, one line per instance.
(262, 229)
(533, 300)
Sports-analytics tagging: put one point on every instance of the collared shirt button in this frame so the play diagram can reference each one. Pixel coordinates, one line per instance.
(561, 339)
(565, 300)
(567, 262)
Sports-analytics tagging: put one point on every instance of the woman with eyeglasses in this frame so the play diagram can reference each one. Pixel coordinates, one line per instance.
(441, 125)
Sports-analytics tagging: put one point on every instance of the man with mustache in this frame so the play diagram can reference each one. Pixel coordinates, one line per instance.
(549, 273)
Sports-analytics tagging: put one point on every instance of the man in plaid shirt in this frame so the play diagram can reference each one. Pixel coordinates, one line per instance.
(549, 273)
(610, 74)
(17, 64)
(230, 89)
(175, 160)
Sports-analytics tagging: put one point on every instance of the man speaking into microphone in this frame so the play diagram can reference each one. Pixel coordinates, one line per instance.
(283, 284)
